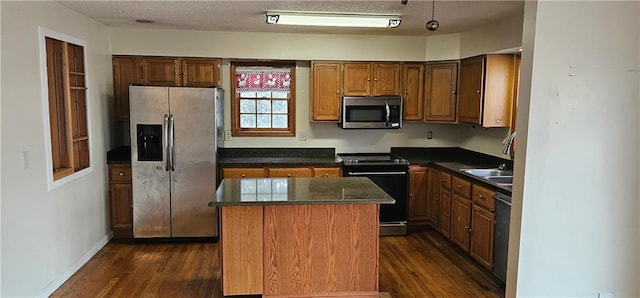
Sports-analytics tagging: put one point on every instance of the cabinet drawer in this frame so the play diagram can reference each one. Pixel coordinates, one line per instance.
(326, 172)
(290, 172)
(461, 187)
(243, 173)
(483, 197)
(445, 180)
(120, 173)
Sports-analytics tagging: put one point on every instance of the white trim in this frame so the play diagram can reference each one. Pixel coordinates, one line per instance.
(42, 33)
(56, 283)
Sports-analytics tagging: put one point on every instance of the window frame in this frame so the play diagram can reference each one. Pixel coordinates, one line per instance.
(53, 183)
(236, 130)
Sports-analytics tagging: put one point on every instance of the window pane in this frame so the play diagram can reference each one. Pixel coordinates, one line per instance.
(264, 121)
(280, 106)
(247, 120)
(264, 106)
(247, 106)
(280, 121)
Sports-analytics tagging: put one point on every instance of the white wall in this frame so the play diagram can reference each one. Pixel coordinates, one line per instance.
(579, 193)
(44, 233)
(443, 47)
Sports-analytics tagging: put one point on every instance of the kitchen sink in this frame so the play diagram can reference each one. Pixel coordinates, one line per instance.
(501, 180)
(488, 172)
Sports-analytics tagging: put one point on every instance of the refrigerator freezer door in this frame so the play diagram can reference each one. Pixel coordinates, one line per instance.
(193, 183)
(151, 187)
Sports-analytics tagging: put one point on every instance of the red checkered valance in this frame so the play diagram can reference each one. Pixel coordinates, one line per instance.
(262, 79)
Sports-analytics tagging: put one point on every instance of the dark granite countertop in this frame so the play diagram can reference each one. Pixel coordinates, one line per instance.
(281, 157)
(453, 160)
(120, 155)
(299, 191)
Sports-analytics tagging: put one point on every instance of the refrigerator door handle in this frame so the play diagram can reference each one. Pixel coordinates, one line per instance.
(166, 142)
(172, 143)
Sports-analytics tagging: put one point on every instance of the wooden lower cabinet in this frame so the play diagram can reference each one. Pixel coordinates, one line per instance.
(274, 172)
(121, 201)
(418, 210)
(445, 213)
(460, 221)
(433, 196)
(482, 229)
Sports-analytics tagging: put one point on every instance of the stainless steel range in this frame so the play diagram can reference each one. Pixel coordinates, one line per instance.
(389, 172)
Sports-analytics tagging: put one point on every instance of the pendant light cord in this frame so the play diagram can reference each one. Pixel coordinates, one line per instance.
(433, 8)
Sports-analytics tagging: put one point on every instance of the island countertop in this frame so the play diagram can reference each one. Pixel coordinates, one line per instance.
(299, 191)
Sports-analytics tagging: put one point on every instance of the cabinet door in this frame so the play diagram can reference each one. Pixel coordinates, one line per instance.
(199, 72)
(460, 221)
(161, 71)
(357, 79)
(499, 82)
(482, 229)
(243, 173)
(441, 97)
(470, 97)
(327, 90)
(327, 172)
(290, 172)
(433, 195)
(412, 82)
(445, 213)
(121, 207)
(386, 79)
(418, 205)
(126, 71)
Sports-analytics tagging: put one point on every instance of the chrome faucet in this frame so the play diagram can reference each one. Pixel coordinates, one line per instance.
(508, 147)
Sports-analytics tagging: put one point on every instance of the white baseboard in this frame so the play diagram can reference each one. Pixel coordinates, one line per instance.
(56, 283)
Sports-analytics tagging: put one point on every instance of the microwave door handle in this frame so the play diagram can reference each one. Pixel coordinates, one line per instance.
(386, 105)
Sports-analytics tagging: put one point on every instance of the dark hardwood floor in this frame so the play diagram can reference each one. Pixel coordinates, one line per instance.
(423, 264)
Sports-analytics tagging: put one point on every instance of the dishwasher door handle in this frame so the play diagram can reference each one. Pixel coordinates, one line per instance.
(374, 173)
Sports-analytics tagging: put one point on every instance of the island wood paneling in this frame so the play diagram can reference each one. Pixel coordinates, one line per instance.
(321, 251)
(242, 250)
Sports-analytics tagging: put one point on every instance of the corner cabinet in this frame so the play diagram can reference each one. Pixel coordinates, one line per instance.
(441, 92)
(371, 78)
(326, 84)
(121, 201)
(412, 91)
(486, 90)
(126, 71)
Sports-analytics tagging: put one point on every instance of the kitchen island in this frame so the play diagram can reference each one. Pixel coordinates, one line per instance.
(300, 237)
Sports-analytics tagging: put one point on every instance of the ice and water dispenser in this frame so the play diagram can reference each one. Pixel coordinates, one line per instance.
(149, 142)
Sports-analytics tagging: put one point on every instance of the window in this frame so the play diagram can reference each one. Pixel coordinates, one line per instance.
(66, 102)
(263, 99)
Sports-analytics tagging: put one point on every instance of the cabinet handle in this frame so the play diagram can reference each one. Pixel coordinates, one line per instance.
(453, 92)
(481, 196)
(288, 175)
(498, 120)
(405, 92)
(326, 175)
(244, 175)
(121, 174)
(459, 186)
(338, 91)
(478, 91)
(368, 79)
(375, 79)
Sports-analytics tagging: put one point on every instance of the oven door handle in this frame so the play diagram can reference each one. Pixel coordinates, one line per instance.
(375, 173)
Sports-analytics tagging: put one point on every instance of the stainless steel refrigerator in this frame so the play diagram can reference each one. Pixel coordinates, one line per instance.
(175, 133)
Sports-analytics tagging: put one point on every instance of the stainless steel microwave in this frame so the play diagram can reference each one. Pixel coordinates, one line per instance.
(383, 112)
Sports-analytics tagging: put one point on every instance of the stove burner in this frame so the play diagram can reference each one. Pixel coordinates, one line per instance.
(372, 158)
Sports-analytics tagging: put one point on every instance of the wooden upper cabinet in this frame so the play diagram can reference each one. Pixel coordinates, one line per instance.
(486, 90)
(386, 79)
(412, 91)
(159, 71)
(126, 71)
(357, 78)
(200, 72)
(371, 79)
(441, 92)
(326, 82)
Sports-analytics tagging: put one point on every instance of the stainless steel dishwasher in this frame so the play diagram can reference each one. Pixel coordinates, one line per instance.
(501, 238)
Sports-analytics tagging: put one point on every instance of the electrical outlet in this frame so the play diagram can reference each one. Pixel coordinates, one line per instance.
(605, 294)
(302, 135)
(227, 135)
(25, 159)
(430, 135)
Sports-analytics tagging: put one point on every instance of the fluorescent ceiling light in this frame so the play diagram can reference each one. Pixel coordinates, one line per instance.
(333, 20)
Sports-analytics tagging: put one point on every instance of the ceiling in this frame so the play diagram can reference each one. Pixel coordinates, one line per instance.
(249, 16)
